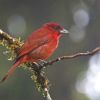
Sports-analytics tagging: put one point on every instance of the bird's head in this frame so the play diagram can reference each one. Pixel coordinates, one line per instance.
(56, 28)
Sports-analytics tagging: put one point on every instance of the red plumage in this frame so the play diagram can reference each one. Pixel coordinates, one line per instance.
(39, 45)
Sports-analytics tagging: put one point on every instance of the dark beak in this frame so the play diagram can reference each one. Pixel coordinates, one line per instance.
(64, 31)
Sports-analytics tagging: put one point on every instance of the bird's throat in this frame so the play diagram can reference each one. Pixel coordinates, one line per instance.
(56, 35)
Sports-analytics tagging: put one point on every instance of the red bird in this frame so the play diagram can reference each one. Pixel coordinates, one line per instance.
(39, 45)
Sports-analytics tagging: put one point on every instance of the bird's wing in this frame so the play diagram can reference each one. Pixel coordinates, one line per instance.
(34, 41)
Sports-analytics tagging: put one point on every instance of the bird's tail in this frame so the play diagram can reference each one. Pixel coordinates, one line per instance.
(10, 71)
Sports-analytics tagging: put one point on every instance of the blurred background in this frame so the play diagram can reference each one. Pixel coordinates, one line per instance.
(76, 79)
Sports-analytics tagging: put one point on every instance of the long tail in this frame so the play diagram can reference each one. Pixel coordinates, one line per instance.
(10, 71)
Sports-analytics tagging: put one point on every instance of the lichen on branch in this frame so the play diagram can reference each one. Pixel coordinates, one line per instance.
(12, 44)
(38, 74)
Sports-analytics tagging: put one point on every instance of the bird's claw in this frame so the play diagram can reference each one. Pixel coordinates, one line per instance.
(42, 61)
(40, 64)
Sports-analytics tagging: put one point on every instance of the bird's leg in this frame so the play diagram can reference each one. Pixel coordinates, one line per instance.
(38, 65)
(35, 66)
(42, 63)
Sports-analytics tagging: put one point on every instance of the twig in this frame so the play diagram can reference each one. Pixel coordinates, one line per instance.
(96, 50)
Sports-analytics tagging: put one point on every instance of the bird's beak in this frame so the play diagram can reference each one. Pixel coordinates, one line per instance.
(64, 31)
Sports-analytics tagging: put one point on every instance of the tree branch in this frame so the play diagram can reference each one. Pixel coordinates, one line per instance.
(38, 75)
(12, 44)
(96, 50)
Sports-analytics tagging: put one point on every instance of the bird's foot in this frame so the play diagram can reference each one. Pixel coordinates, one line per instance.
(40, 64)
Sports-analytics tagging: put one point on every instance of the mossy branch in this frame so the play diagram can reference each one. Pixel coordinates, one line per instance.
(12, 44)
(38, 76)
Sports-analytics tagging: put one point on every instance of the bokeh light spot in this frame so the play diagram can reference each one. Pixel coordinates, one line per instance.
(16, 25)
(81, 18)
(90, 84)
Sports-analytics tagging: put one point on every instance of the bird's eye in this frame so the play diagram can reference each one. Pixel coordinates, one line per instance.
(57, 28)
